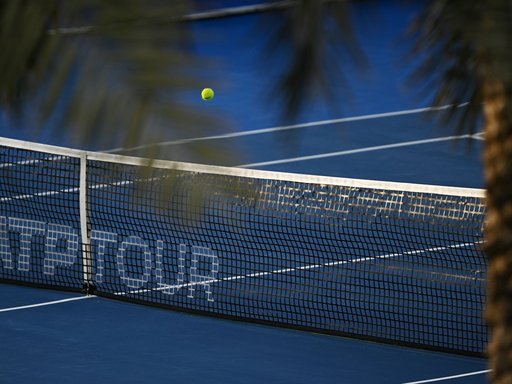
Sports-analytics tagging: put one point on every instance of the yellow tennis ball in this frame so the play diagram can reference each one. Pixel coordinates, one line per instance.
(207, 94)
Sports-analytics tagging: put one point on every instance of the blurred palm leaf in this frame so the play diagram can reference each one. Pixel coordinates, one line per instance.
(115, 71)
(310, 37)
(450, 62)
(112, 71)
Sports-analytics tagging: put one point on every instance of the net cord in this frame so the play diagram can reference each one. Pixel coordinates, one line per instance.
(244, 172)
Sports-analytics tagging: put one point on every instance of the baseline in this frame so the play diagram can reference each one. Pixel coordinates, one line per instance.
(446, 378)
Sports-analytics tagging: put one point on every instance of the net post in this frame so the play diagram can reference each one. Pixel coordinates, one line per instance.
(84, 227)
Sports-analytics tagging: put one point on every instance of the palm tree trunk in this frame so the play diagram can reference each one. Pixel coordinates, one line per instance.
(498, 167)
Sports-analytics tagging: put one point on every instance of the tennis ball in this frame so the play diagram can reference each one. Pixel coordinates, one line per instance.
(207, 94)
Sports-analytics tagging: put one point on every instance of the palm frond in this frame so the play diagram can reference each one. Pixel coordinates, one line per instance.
(309, 37)
(449, 41)
(121, 80)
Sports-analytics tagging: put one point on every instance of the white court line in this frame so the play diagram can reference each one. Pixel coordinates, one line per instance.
(289, 127)
(450, 377)
(39, 194)
(46, 303)
(261, 274)
(357, 150)
(308, 267)
(32, 162)
(211, 14)
(77, 189)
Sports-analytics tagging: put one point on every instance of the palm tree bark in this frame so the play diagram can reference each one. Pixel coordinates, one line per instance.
(498, 164)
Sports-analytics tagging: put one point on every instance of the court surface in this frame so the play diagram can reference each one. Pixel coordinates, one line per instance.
(382, 132)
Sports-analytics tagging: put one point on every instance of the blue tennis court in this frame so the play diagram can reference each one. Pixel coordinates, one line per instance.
(383, 132)
(102, 340)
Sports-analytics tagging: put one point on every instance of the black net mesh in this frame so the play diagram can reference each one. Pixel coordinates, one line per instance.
(381, 264)
(39, 218)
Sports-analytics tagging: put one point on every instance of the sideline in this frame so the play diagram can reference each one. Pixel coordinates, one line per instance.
(46, 303)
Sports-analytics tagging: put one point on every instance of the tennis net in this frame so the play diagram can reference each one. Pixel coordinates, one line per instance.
(391, 262)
